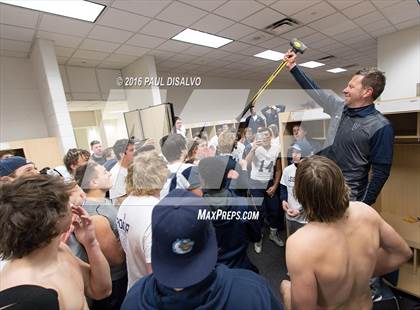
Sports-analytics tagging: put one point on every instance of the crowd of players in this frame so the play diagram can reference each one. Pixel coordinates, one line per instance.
(122, 228)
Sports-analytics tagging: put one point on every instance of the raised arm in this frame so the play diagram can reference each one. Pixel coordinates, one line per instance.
(96, 274)
(331, 104)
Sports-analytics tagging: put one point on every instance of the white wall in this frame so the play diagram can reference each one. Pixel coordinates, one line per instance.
(21, 112)
(399, 57)
(91, 84)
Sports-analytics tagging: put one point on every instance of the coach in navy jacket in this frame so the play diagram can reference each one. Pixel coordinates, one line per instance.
(359, 137)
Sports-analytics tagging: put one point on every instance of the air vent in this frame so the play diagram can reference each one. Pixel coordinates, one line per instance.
(350, 66)
(282, 26)
(326, 58)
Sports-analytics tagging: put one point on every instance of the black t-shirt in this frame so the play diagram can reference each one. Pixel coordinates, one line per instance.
(29, 297)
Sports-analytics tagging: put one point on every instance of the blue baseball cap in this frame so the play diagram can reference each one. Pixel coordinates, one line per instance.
(184, 248)
(9, 165)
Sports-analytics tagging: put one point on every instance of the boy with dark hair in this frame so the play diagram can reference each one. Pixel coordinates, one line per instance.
(331, 259)
(97, 154)
(185, 275)
(183, 175)
(233, 236)
(34, 212)
(266, 164)
(95, 182)
(124, 152)
(73, 159)
(295, 217)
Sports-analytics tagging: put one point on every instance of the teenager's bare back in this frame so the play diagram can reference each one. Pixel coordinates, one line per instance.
(63, 275)
(341, 256)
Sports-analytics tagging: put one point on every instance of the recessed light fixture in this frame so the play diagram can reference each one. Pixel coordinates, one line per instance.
(312, 64)
(201, 38)
(271, 55)
(336, 70)
(78, 9)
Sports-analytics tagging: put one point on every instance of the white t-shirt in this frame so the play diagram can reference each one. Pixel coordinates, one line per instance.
(263, 162)
(134, 222)
(288, 180)
(118, 175)
(187, 177)
(238, 151)
(214, 142)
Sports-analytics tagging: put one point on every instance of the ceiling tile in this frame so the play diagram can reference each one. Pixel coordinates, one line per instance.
(205, 4)
(368, 18)
(145, 8)
(82, 62)
(314, 38)
(64, 51)
(64, 25)
(131, 50)
(84, 54)
(270, 44)
(314, 12)
(13, 45)
(60, 39)
(357, 39)
(360, 9)
(198, 50)
(16, 33)
(161, 29)
(349, 34)
(235, 47)
(291, 7)
(383, 31)
(145, 41)
(323, 42)
(109, 34)
(238, 10)
(122, 20)
(236, 58)
(333, 24)
(101, 46)
(263, 18)
(236, 31)
(120, 58)
(402, 12)
(12, 15)
(342, 4)
(174, 46)
(252, 50)
(160, 55)
(8, 53)
(212, 24)
(181, 14)
(256, 37)
(183, 58)
(408, 23)
(385, 3)
(383, 23)
(170, 64)
(216, 54)
(112, 65)
(300, 33)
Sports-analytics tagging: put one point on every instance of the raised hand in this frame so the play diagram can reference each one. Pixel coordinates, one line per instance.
(290, 59)
(83, 227)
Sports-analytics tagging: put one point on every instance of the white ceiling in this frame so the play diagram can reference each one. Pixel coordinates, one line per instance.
(127, 30)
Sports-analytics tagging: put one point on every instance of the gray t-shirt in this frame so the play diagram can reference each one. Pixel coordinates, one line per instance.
(107, 210)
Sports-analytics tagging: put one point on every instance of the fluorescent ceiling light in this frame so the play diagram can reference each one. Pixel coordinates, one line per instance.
(312, 64)
(269, 54)
(201, 38)
(336, 70)
(79, 9)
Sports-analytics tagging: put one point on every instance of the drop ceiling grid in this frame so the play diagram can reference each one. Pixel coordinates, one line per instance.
(211, 13)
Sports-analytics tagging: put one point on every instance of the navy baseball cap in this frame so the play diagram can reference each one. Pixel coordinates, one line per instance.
(9, 165)
(184, 248)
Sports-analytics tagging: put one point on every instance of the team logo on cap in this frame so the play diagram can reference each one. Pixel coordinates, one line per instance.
(182, 246)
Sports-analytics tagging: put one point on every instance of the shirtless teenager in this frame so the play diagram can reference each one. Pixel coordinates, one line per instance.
(332, 258)
(41, 270)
